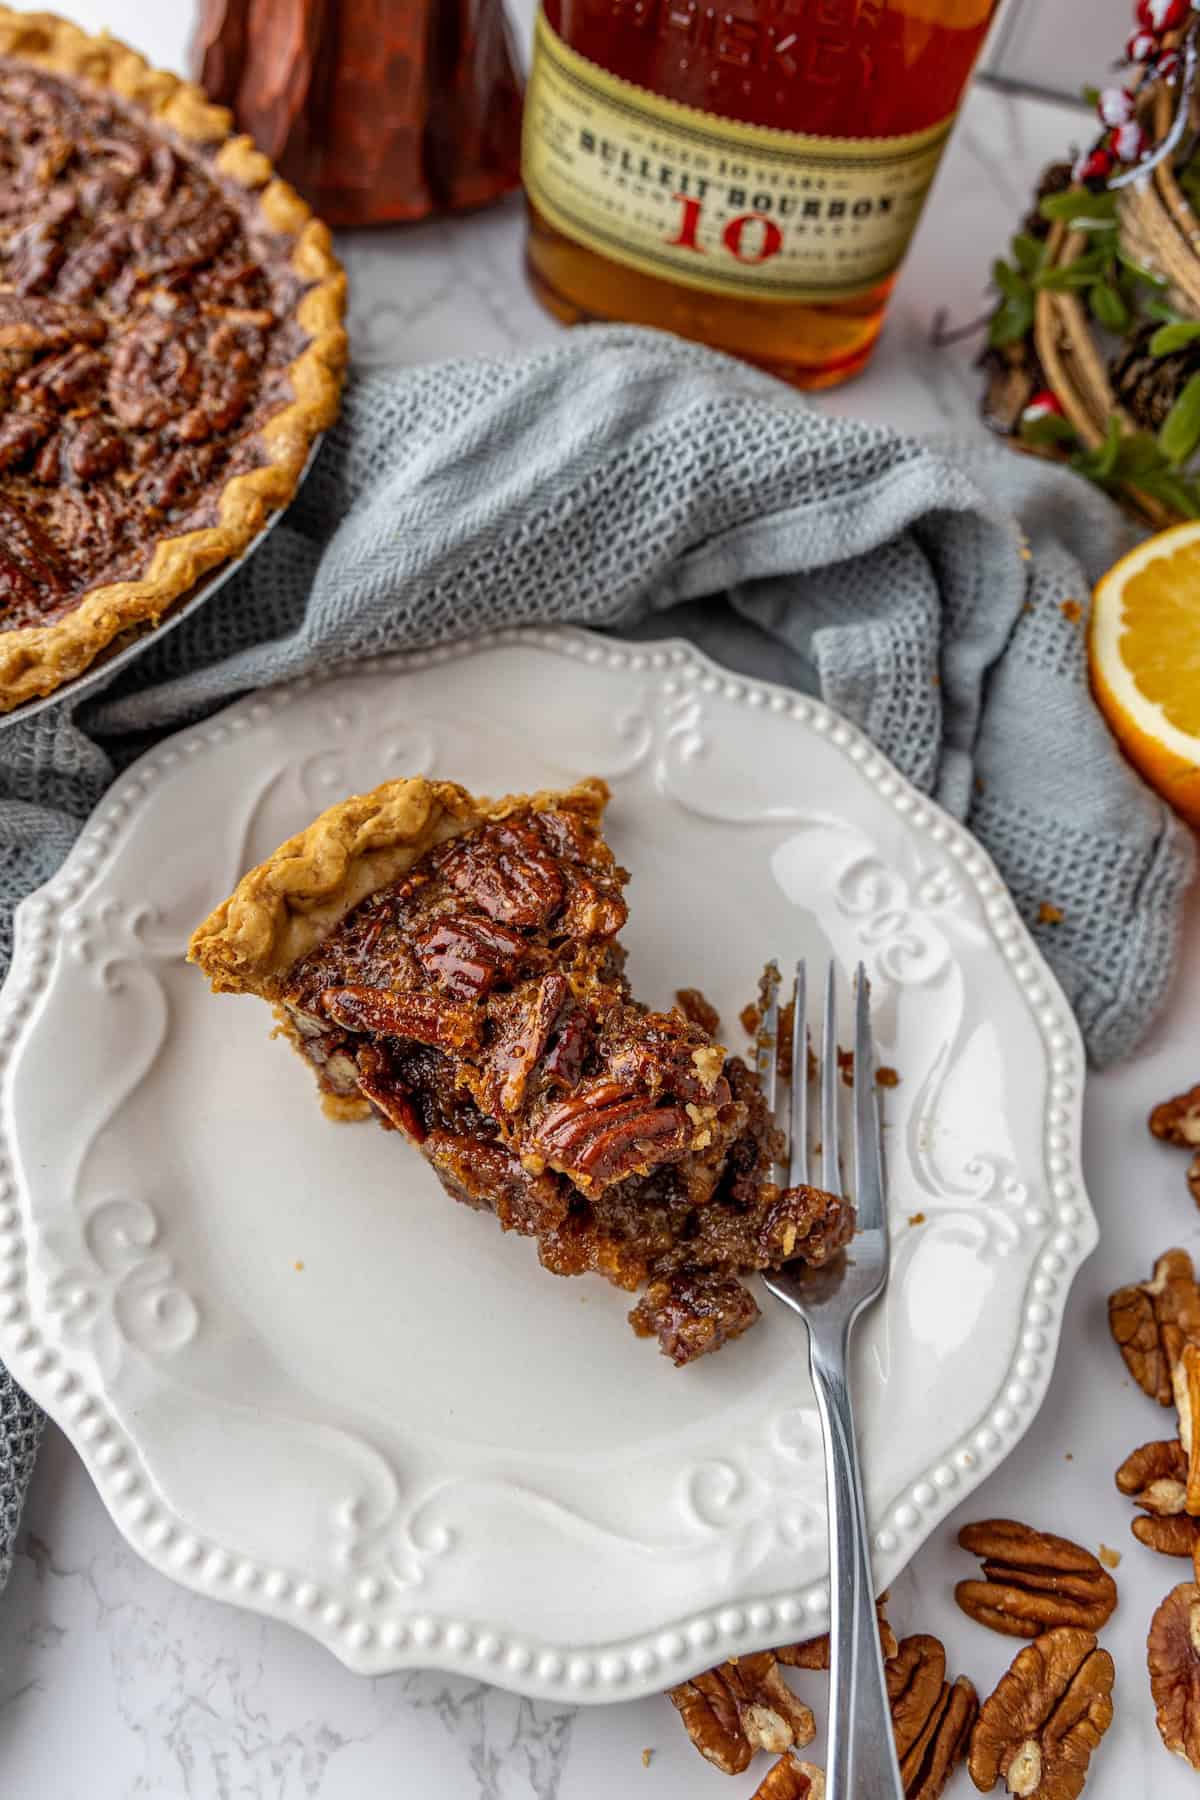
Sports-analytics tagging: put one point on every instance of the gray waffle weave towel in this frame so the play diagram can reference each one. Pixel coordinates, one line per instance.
(631, 481)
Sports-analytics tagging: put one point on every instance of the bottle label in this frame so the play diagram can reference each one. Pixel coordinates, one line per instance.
(710, 202)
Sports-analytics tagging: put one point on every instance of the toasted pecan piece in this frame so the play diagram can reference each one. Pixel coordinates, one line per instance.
(1033, 1580)
(1039, 1728)
(741, 1707)
(1155, 1477)
(1152, 1320)
(1171, 1535)
(931, 1717)
(692, 1312)
(791, 1780)
(425, 1018)
(1186, 1381)
(814, 1652)
(1177, 1121)
(698, 1009)
(1173, 1657)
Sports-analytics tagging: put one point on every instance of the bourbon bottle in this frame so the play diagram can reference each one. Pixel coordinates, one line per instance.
(747, 174)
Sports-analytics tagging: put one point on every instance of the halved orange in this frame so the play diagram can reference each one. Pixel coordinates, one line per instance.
(1144, 651)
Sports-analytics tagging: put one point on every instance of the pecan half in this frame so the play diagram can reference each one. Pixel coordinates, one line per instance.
(94, 263)
(21, 433)
(1172, 1535)
(1173, 1656)
(791, 1780)
(814, 1653)
(1193, 1178)
(34, 256)
(1152, 1321)
(742, 1706)
(568, 1053)
(1032, 1580)
(1177, 1121)
(1047, 1715)
(154, 375)
(169, 479)
(604, 1132)
(507, 872)
(231, 357)
(32, 323)
(30, 571)
(94, 449)
(931, 1718)
(525, 1020)
(1186, 1379)
(63, 379)
(467, 956)
(372, 1078)
(943, 1745)
(189, 233)
(425, 1018)
(1155, 1478)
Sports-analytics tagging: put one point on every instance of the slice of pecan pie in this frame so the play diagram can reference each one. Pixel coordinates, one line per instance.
(452, 965)
(170, 345)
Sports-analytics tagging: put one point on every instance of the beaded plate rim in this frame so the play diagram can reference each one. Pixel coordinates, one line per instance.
(642, 1663)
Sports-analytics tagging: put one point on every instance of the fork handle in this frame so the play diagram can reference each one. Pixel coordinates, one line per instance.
(861, 1758)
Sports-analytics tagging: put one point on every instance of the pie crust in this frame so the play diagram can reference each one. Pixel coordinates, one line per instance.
(291, 902)
(36, 659)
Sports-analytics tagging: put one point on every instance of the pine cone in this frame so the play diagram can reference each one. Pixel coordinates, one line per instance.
(1056, 179)
(1148, 386)
(1014, 376)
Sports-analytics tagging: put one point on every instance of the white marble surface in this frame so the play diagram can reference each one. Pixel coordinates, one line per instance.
(1058, 47)
(115, 1684)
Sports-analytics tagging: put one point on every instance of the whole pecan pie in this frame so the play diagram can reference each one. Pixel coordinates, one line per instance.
(170, 345)
(452, 966)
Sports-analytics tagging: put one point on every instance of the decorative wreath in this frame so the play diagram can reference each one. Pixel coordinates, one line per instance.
(1094, 346)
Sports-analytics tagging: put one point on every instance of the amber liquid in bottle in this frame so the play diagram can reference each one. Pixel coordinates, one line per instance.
(674, 236)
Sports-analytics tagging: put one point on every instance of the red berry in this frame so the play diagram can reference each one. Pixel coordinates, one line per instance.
(1097, 165)
(1115, 106)
(1129, 142)
(1040, 404)
(1162, 15)
(1140, 47)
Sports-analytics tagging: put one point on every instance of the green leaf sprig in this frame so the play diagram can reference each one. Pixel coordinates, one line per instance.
(1105, 275)
(1119, 292)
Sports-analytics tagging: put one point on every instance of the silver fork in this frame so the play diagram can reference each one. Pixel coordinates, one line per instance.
(861, 1757)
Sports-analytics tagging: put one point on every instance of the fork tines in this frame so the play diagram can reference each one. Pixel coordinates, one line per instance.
(767, 1066)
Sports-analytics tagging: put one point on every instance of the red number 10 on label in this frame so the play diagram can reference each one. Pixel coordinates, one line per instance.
(738, 235)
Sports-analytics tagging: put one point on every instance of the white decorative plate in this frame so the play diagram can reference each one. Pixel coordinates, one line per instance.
(304, 1380)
